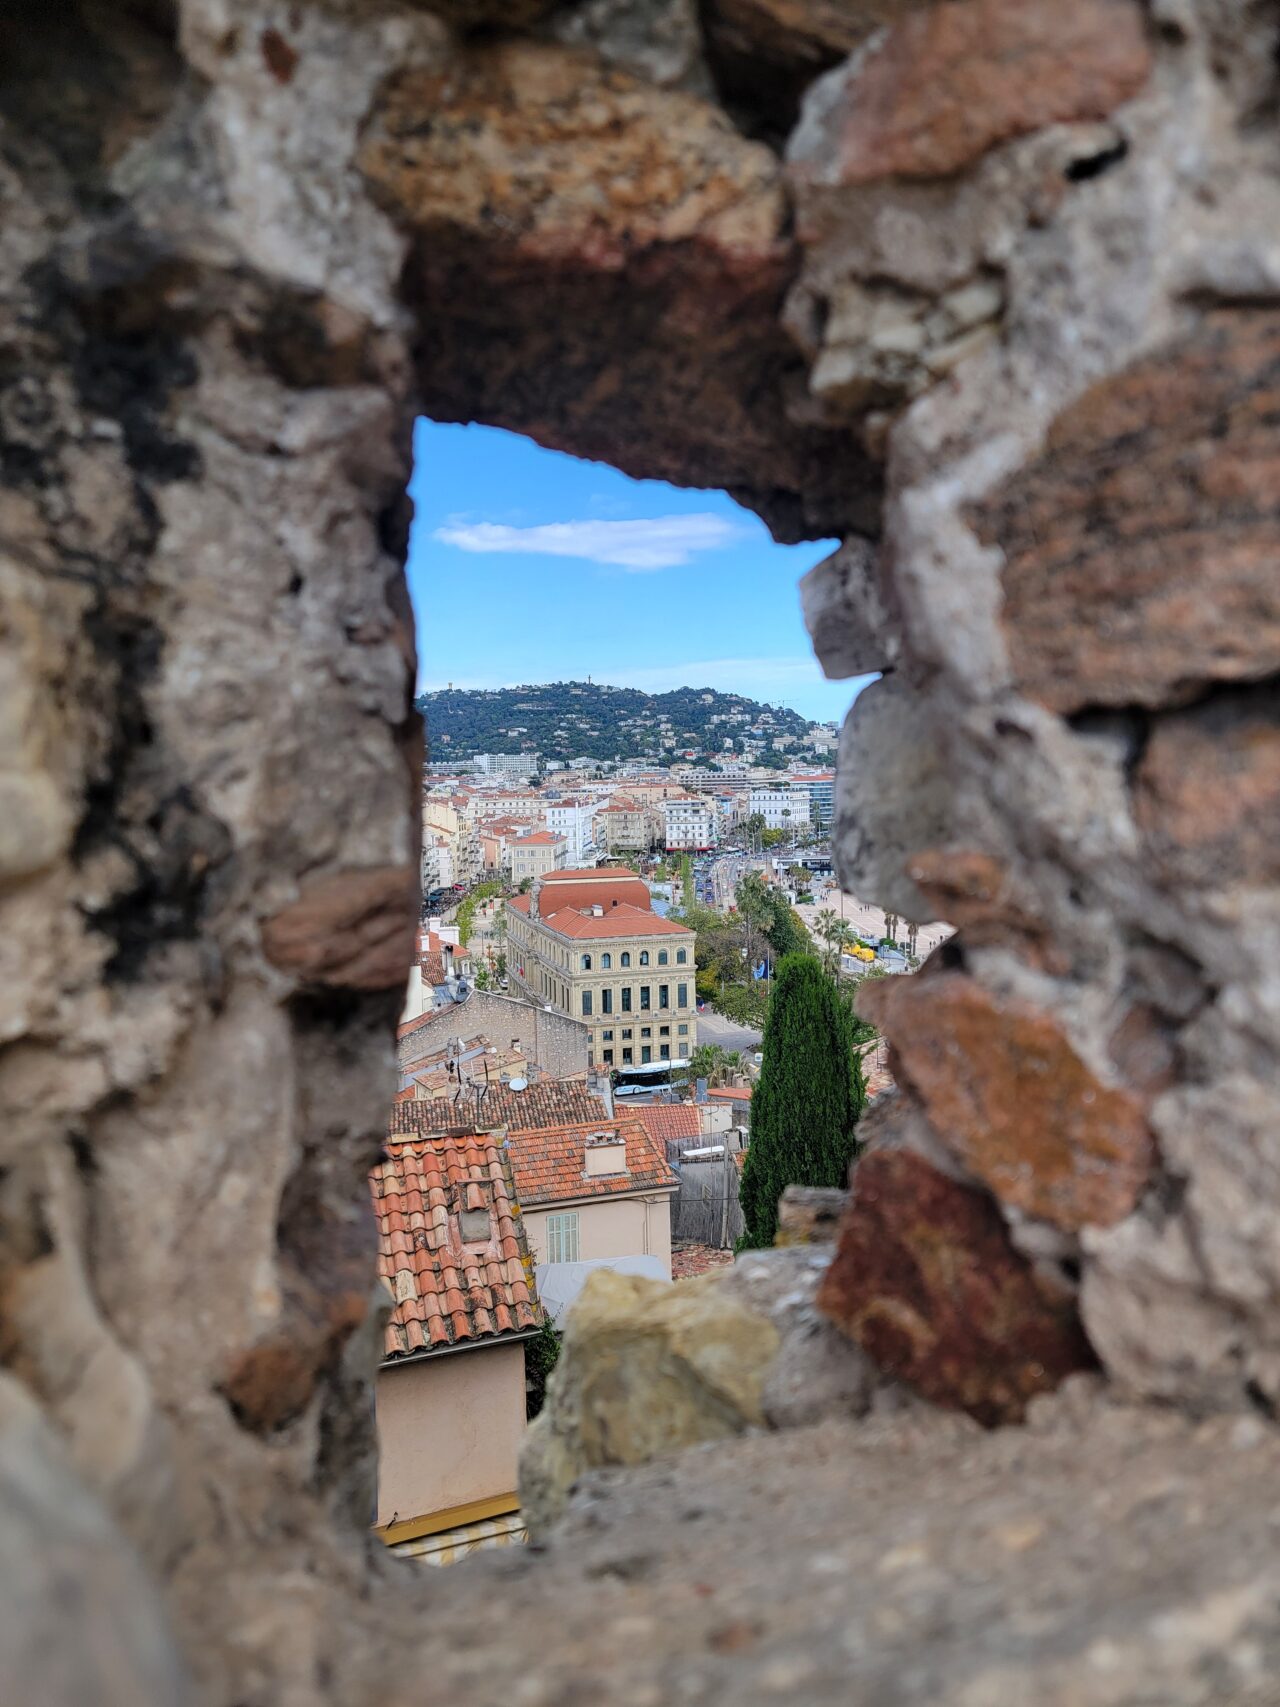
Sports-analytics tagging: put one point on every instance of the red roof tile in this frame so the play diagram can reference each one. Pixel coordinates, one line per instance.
(447, 1291)
(549, 1163)
(598, 885)
(669, 1122)
(622, 920)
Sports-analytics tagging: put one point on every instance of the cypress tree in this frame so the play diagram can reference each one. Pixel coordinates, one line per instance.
(805, 1110)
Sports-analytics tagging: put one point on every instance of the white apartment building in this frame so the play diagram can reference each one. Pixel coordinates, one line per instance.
(522, 765)
(575, 820)
(689, 824)
(781, 808)
(437, 863)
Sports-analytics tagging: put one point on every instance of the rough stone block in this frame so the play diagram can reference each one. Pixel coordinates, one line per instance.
(979, 894)
(1009, 1096)
(550, 197)
(809, 1215)
(1207, 791)
(943, 86)
(927, 1281)
(1142, 554)
(844, 611)
(353, 930)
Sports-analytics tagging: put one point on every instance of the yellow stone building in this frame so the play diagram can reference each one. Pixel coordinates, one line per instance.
(590, 944)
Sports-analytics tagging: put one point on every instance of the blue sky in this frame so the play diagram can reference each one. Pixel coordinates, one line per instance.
(526, 565)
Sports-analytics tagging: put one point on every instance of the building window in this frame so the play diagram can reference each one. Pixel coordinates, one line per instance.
(644, 957)
(646, 1055)
(606, 961)
(664, 1031)
(586, 1004)
(664, 1051)
(682, 995)
(606, 1001)
(562, 1237)
(663, 957)
(607, 1036)
(645, 1003)
(682, 956)
(683, 1030)
(608, 1057)
(646, 1031)
(625, 961)
(664, 995)
(586, 963)
(626, 1034)
(627, 1057)
(626, 998)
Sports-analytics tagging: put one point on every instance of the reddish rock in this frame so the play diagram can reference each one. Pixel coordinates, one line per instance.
(1207, 791)
(947, 84)
(353, 930)
(1142, 550)
(974, 892)
(1009, 1097)
(601, 264)
(925, 1279)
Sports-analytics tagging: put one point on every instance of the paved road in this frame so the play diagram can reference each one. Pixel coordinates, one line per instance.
(715, 1028)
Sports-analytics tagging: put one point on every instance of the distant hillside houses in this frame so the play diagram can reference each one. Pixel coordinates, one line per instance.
(562, 723)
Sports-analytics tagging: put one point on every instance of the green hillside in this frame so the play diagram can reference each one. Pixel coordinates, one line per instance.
(567, 720)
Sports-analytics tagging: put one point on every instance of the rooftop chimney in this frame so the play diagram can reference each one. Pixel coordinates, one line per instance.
(606, 1153)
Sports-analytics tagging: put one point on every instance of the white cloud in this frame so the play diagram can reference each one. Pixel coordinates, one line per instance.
(656, 542)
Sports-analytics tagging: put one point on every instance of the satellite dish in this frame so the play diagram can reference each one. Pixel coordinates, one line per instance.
(519, 1085)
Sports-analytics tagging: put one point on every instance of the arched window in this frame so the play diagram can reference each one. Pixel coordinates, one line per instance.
(586, 963)
(626, 960)
(681, 956)
(606, 962)
(644, 957)
(663, 957)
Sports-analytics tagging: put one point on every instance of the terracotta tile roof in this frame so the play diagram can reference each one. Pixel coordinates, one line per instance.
(597, 886)
(721, 1094)
(550, 1163)
(447, 1291)
(546, 1102)
(622, 920)
(539, 839)
(669, 1122)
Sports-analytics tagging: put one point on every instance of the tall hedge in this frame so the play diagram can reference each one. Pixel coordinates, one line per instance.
(805, 1110)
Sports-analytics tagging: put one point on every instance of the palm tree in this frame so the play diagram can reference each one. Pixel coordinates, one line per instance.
(713, 1063)
(829, 926)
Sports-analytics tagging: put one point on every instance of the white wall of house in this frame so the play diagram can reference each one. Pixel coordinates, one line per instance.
(606, 1227)
(449, 1430)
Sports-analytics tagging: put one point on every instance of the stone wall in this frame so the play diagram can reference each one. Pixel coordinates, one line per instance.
(985, 288)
